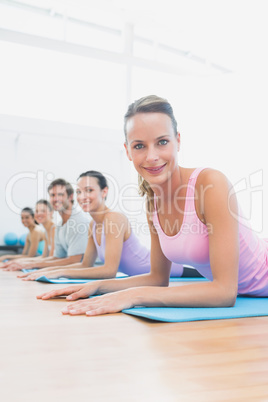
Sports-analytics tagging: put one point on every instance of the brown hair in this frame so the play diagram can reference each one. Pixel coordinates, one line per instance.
(149, 104)
(30, 212)
(45, 202)
(63, 183)
(102, 182)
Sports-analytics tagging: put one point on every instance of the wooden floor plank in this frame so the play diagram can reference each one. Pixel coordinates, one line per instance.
(46, 356)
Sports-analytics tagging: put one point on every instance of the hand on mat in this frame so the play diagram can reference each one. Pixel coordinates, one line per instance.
(3, 264)
(40, 272)
(72, 292)
(48, 273)
(106, 304)
(14, 266)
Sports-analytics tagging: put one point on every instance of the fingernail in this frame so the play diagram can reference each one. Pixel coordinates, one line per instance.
(69, 297)
(64, 310)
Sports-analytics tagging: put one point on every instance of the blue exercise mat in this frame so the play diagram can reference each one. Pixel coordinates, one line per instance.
(121, 275)
(43, 278)
(185, 279)
(244, 307)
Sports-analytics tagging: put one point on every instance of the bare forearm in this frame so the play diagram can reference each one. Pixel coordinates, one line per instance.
(12, 256)
(58, 262)
(69, 267)
(101, 272)
(113, 285)
(195, 295)
(31, 259)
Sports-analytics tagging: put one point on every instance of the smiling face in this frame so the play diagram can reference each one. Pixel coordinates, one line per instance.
(152, 146)
(59, 198)
(42, 213)
(90, 196)
(27, 219)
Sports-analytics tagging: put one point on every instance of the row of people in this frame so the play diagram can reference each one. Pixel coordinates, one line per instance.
(32, 220)
(194, 219)
(78, 243)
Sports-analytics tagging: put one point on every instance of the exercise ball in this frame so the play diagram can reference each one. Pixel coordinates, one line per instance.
(22, 239)
(10, 239)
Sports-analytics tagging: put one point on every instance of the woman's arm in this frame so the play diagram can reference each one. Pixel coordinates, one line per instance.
(9, 257)
(29, 251)
(52, 241)
(159, 276)
(35, 237)
(115, 227)
(45, 250)
(218, 209)
(12, 257)
(70, 270)
(37, 262)
(219, 212)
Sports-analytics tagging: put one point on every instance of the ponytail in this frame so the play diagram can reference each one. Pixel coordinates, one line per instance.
(145, 190)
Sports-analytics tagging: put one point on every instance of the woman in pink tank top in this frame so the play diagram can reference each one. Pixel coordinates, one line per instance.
(193, 218)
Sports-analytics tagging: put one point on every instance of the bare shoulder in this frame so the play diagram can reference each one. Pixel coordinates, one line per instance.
(117, 224)
(38, 233)
(215, 195)
(115, 217)
(212, 178)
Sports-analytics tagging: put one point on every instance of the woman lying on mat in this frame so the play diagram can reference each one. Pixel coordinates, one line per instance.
(110, 238)
(33, 238)
(194, 219)
(43, 215)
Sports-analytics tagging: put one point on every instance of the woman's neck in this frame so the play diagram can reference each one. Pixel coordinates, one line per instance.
(47, 225)
(31, 227)
(98, 215)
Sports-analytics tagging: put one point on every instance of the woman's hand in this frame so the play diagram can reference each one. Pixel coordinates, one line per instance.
(19, 265)
(4, 264)
(39, 272)
(32, 276)
(73, 292)
(13, 266)
(106, 304)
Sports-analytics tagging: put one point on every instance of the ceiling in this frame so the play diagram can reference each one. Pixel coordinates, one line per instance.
(229, 33)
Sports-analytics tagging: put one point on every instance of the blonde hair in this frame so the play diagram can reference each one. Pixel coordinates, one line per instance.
(149, 104)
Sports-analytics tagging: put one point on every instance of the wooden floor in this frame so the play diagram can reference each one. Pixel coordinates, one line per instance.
(46, 356)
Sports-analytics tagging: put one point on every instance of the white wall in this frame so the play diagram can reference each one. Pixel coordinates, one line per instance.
(34, 152)
(63, 113)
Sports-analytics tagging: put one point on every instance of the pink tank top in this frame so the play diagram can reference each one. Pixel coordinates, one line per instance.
(190, 246)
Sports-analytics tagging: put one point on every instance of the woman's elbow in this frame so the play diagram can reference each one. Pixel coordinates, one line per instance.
(31, 254)
(108, 272)
(230, 301)
(159, 280)
(228, 298)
